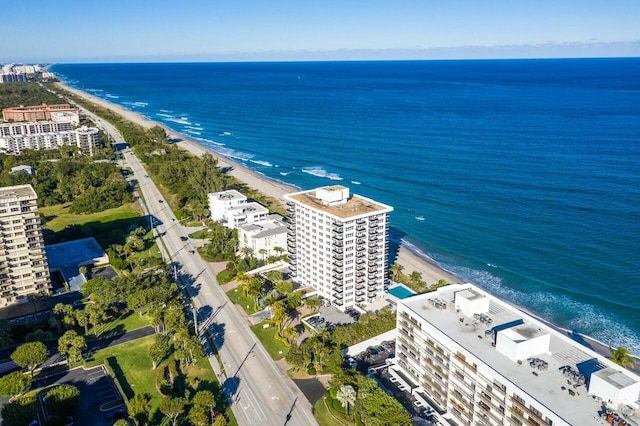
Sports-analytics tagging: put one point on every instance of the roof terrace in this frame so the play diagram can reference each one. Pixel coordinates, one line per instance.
(555, 370)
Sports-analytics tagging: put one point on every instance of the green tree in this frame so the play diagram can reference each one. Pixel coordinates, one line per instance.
(63, 400)
(14, 384)
(121, 422)
(66, 313)
(205, 398)
(279, 314)
(82, 318)
(347, 396)
(290, 333)
(284, 287)
(139, 408)
(159, 350)
(199, 416)
(39, 336)
(20, 411)
(623, 357)
(313, 303)
(30, 355)
(172, 408)
(97, 315)
(72, 345)
(396, 272)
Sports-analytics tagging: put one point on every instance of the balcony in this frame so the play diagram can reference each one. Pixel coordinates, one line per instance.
(360, 267)
(337, 244)
(360, 286)
(337, 276)
(360, 242)
(338, 263)
(360, 222)
(372, 277)
(359, 299)
(336, 283)
(361, 234)
(336, 237)
(338, 302)
(360, 274)
(337, 250)
(337, 296)
(372, 288)
(337, 270)
(361, 228)
(338, 257)
(337, 290)
(373, 270)
(360, 293)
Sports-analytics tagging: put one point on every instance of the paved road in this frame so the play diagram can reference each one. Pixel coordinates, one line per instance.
(258, 392)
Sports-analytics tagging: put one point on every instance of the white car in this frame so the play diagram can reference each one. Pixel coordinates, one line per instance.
(418, 403)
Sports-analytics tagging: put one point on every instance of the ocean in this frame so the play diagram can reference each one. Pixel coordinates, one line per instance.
(522, 176)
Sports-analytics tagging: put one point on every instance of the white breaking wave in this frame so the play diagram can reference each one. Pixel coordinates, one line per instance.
(178, 121)
(263, 163)
(225, 134)
(165, 110)
(193, 127)
(355, 182)
(192, 132)
(420, 218)
(285, 173)
(209, 141)
(320, 172)
(108, 95)
(165, 115)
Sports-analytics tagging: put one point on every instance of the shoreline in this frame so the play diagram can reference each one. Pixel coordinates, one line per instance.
(410, 259)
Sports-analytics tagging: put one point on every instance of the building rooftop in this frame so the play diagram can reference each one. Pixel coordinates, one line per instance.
(228, 195)
(264, 228)
(549, 385)
(248, 208)
(351, 207)
(18, 191)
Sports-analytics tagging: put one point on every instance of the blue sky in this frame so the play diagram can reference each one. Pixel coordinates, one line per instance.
(136, 30)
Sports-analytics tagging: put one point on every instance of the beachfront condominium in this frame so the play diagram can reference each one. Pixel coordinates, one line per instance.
(231, 209)
(86, 139)
(35, 113)
(338, 244)
(23, 262)
(487, 363)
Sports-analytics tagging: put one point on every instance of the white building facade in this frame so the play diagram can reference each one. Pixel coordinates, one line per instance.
(338, 244)
(264, 236)
(486, 363)
(86, 139)
(221, 202)
(23, 262)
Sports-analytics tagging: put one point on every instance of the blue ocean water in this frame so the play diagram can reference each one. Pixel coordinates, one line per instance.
(522, 176)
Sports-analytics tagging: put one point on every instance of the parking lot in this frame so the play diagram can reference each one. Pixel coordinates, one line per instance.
(96, 389)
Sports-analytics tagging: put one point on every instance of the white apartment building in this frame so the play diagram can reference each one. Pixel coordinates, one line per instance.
(245, 213)
(338, 244)
(264, 236)
(86, 139)
(23, 262)
(35, 127)
(72, 117)
(486, 363)
(221, 202)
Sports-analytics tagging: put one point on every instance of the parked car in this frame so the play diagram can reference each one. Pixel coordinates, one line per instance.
(386, 346)
(353, 363)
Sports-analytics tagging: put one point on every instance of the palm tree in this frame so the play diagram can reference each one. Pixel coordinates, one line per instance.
(415, 277)
(347, 396)
(623, 357)
(396, 272)
(289, 333)
(279, 314)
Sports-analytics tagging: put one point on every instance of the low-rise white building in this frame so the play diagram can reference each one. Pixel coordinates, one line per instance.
(264, 236)
(246, 213)
(221, 202)
(65, 117)
(485, 362)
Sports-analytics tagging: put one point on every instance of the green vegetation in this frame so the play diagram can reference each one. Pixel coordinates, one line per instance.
(62, 401)
(414, 281)
(30, 355)
(14, 384)
(27, 94)
(272, 342)
(20, 411)
(623, 357)
(107, 227)
(224, 276)
(245, 301)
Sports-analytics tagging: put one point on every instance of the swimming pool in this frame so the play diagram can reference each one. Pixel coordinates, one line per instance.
(401, 292)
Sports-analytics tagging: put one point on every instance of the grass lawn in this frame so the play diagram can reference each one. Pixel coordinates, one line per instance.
(267, 336)
(126, 322)
(59, 217)
(245, 302)
(330, 418)
(107, 227)
(200, 235)
(224, 276)
(132, 367)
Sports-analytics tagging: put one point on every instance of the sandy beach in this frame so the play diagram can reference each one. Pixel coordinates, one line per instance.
(429, 268)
